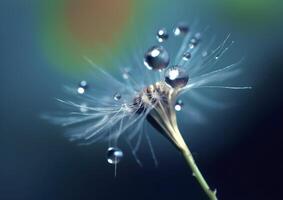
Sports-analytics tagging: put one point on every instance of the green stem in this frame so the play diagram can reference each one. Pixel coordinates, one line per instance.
(197, 174)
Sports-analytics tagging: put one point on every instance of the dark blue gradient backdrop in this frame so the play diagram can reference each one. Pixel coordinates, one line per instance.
(38, 163)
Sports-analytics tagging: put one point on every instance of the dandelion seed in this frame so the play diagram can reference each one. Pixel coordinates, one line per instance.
(148, 98)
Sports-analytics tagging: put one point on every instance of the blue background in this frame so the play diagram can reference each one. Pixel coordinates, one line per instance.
(37, 162)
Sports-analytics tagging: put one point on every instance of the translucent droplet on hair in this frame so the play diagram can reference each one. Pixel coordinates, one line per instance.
(204, 53)
(156, 58)
(187, 56)
(82, 87)
(162, 35)
(193, 42)
(176, 77)
(117, 96)
(83, 84)
(179, 105)
(181, 29)
(83, 107)
(126, 73)
(114, 155)
(81, 90)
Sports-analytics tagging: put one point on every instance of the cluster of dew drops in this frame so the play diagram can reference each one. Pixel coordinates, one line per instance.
(155, 58)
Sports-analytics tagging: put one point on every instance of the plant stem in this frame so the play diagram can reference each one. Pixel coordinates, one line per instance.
(197, 174)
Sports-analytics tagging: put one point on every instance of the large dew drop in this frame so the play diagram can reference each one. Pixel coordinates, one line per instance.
(162, 35)
(176, 77)
(114, 155)
(156, 58)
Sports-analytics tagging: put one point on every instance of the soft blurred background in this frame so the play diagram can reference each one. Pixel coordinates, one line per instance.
(42, 47)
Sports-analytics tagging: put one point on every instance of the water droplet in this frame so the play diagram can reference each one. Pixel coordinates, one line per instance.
(114, 155)
(193, 42)
(204, 53)
(162, 35)
(179, 105)
(126, 73)
(176, 77)
(156, 58)
(187, 56)
(82, 87)
(83, 84)
(80, 90)
(198, 36)
(83, 108)
(182, 28)
(117, 96)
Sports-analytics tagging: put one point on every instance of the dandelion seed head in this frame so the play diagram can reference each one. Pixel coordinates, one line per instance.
(145, 96)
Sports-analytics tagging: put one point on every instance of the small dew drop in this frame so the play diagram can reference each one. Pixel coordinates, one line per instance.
(162, 35)
(181, 29)
(198, 36)
(114, 155)
(204, 53)
(83, 108)
(176, 77)
(156, 58)
(193, 42)
(126, 73)
(179, 105)
(117, 96)
(187, 56)
(83, 84)
(82, 87)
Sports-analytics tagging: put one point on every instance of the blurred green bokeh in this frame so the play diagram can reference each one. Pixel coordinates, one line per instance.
(106, 31)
